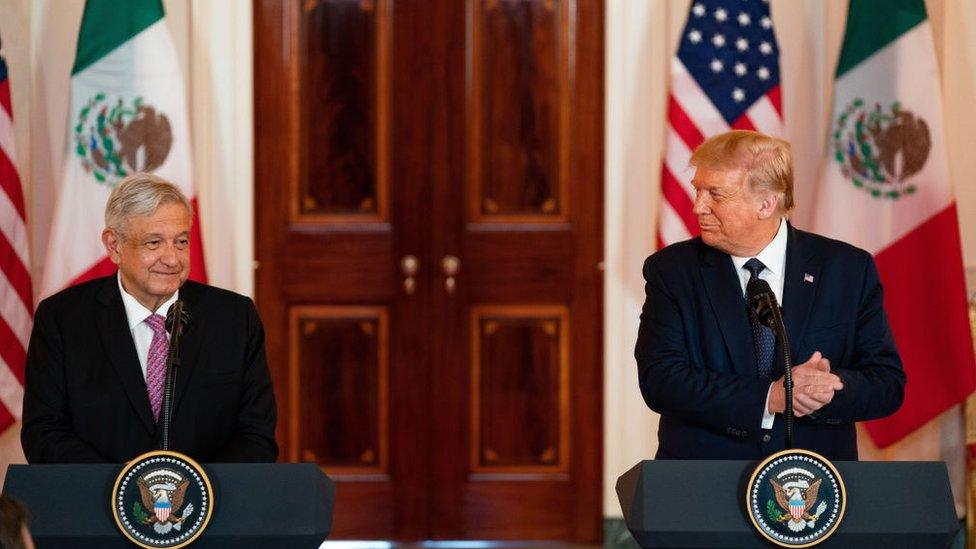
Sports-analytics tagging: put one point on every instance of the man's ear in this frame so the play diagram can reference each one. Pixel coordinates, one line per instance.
(769, 206)
(112, 243)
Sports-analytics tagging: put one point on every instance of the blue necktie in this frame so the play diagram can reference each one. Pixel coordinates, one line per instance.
(763, 339)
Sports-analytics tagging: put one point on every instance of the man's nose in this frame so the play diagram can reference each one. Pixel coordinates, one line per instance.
(169, 255)
(701, 204)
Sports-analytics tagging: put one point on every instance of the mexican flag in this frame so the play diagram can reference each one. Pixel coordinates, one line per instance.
(886, 189)
(128, 114)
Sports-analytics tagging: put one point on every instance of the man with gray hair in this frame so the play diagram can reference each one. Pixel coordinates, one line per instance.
(96, 360)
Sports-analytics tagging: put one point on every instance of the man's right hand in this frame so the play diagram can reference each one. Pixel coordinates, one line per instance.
(813, 387)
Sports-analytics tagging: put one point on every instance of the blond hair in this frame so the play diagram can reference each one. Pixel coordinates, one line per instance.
(767, 161)
(138, 195)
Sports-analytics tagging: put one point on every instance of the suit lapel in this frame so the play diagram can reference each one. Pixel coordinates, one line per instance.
(113, 327)
(799, 288)
(190, 342)
(729, 306)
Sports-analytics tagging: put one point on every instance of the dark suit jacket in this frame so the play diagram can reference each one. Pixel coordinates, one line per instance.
(695, 354)
(85, 397)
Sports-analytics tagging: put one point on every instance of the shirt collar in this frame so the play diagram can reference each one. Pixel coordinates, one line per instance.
(773, 256)
(134, 311)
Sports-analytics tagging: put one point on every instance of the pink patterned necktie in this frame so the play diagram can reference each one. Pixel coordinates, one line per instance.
(156, 362)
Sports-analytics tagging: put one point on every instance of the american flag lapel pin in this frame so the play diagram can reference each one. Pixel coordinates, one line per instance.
(807, 277)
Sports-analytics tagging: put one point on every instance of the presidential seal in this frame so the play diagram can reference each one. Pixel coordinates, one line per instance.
(162, 499)
(795, 498)
(115, 138)
(880, 149)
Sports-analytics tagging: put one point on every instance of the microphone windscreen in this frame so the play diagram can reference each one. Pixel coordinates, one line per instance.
(762, 300)
(757, 287)
(177, 308)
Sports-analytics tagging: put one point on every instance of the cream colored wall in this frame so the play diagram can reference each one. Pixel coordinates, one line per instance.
(214, 41)
(641, 38)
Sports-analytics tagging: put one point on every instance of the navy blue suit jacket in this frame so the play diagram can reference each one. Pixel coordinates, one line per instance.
(695, 354)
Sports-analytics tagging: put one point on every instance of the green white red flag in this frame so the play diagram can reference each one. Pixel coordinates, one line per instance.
(886, 189)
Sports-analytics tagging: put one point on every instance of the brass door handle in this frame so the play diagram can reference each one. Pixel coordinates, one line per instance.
(409, 266)
(451, 266)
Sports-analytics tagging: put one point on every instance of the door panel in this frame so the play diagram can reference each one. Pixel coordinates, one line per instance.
(518, 58)
(519, 389)
(339, 370)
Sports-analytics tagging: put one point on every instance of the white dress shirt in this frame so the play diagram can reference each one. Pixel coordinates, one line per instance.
(136, 314)
(773, 256)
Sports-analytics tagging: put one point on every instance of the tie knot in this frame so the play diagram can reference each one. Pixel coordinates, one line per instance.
(754, 266)
(157, 323)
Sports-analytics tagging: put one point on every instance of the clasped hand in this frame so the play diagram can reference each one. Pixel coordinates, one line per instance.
(813, 387)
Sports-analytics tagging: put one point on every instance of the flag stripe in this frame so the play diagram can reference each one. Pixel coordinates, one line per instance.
(775, 96)
(10, 184)
(682, 125)
(11, 351)
(6, 418)
(12, 310)
(5, 94)
(933, 340)
(743, 123)
(872, 25)
(7, 145)
(11, 392)
(107, 24)
(16, 272)
(13, 229)
(679, 200)
(677, 161)
(198, 265)
(102, 267)
(765, 118)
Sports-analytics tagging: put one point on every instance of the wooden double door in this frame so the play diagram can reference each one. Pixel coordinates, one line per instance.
(429, 228)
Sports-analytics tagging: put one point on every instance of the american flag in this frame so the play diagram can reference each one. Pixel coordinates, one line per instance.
(16, 298)
(724, 77)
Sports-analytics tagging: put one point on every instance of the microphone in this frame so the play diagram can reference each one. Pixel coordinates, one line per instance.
(177, 310)
(177, 321)
(762, 300)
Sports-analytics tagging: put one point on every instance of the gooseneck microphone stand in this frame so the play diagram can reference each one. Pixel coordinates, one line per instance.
(176, 320)
(763, 302)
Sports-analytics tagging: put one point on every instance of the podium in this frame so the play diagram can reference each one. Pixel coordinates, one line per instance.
(266, 505)
(697, 503)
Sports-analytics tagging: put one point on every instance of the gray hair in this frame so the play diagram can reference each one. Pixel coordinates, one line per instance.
(138, 195)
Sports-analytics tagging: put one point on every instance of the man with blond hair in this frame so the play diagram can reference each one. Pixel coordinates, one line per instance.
(96, 361)
(706, 363)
